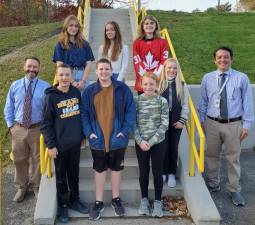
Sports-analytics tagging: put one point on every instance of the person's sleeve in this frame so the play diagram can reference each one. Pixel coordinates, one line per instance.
(58, 54)
(164, 117)
(247, 101)
(130, 112)
(203, 102)
(100, 52)
(47, 127)
(138, 65)
(138, 138)
(185, 105)
(124, 64)
(85, 108)
(9, 108)
(89, 56)
(163, 57)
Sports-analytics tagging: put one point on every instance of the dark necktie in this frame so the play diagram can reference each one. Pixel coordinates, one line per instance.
(223, 99)
(27, 108)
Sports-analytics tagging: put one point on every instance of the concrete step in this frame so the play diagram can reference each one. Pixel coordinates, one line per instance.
(130, 171)
(130, 212)
(129, 191)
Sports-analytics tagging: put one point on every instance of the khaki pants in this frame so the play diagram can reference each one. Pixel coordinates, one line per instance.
(229, 135)
(26, 150)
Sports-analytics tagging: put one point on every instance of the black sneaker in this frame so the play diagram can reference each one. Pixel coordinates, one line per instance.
(63, 214)
(95, 212)
(117, 206)
(78, 206)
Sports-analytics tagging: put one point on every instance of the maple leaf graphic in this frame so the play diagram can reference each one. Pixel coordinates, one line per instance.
(149, 63)
(142, 71)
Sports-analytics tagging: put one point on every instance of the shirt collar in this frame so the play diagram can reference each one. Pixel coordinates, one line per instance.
(228, 72)
(27, 80)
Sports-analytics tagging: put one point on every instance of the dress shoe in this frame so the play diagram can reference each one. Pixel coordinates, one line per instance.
(19, 196)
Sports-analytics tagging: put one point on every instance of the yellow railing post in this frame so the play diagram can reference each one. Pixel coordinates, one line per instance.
(48, 160)
(42, 154)
(192, 137)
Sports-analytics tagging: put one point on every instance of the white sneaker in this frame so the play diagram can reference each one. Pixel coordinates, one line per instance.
(171, 180)
(164, 178)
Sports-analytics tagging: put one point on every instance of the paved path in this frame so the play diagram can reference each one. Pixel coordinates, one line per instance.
(130, 222)
(232, 215)
(22, 213)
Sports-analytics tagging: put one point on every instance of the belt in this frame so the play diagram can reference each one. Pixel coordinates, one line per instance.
(225, 120)
(78, 68)
(31, 126)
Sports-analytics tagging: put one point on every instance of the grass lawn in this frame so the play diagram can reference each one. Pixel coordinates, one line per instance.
(12, 69)
(15, 37)
(195, 36)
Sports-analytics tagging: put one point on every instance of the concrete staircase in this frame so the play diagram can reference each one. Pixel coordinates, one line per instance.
(130, 189)
(199, 202)
(99, 17)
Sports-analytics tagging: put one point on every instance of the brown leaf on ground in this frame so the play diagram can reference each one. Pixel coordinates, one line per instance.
(176, 206)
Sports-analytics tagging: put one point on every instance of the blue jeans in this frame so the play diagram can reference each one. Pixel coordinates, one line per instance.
(77, 76)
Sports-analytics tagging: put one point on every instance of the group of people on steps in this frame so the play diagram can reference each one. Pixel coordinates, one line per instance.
(104, 112)
(109, 113)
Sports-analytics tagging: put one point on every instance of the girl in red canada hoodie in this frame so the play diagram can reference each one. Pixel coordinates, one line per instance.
(149, 50)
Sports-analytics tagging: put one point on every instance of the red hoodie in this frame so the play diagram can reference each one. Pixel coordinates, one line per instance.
(148, 56)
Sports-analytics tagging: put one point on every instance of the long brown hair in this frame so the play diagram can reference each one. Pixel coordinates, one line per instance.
(163, 84)
(117, 47)
(141, 33)
(64, 36)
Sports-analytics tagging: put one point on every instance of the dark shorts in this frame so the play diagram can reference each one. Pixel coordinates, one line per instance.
(113, 160)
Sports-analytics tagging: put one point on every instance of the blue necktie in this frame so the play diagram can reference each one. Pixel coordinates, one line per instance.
(223, 99)
(27, 108)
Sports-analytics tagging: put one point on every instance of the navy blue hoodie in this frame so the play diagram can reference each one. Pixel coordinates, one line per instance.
(61, 126)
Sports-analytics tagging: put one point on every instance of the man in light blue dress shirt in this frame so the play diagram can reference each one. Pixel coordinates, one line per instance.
(226, 114)
(26, 137)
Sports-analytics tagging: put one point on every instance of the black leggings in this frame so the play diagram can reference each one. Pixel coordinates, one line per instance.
(171, 153)
(67, 175)
(156, 154)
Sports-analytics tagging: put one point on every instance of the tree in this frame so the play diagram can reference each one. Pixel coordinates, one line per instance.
(218, 4)
(224, 7)
(211, 10)
(248, 4)
(25, 4)
(220, 8)
(196, 10)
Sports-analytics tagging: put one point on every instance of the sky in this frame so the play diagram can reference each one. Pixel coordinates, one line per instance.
(185, 5)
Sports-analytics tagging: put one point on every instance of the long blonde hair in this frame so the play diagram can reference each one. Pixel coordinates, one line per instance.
(64, 36)
(117, 47)
(140, 31)
(163, 83)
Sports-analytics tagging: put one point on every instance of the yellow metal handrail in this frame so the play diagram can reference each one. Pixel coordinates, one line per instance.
(45, 160)
(195, 155)
(82, 17)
